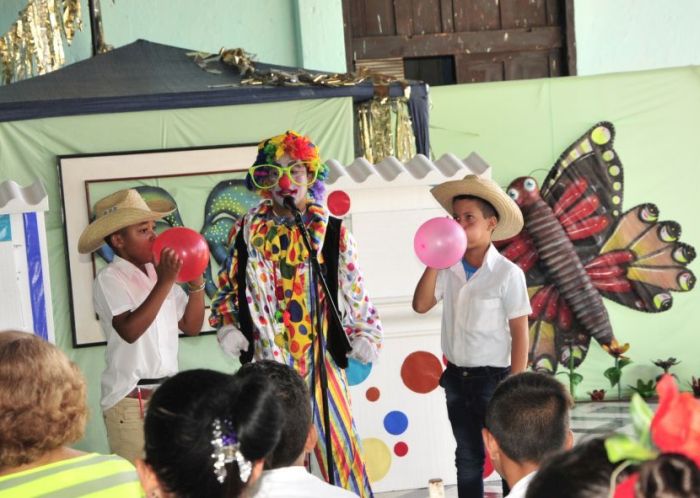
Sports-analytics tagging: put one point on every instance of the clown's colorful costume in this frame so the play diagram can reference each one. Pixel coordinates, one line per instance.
(278, 298)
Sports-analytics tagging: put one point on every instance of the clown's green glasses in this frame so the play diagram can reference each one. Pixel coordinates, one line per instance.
(268, 175)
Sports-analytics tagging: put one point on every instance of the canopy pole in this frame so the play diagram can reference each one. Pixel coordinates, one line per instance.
(98, 42)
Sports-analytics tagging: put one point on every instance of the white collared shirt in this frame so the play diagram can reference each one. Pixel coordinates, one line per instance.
(519, 490)
(475, 313)
(295, 482)
(121, 287)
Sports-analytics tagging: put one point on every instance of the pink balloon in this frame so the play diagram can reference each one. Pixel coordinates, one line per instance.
(189, 245)
(338, 203)
(440, 242)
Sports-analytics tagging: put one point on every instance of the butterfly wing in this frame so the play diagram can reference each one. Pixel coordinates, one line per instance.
(555, 334)
(522, 251)
(642, 261)
(584, 189)
(631, 257)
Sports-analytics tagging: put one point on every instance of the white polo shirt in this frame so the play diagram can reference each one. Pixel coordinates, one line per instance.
(519, 490)
(295, 482)
(475, 313)
(121, 287)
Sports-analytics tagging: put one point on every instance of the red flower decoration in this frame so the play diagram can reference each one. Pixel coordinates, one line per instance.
(676, 425)
(626, 488)
(299, 147)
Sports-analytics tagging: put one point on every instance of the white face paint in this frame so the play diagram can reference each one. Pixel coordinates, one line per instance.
(286, 188)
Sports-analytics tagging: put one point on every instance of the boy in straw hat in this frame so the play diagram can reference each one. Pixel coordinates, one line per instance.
(140, 311)
(484, 315)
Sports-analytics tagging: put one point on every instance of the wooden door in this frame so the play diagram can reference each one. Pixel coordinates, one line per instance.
(462, 41)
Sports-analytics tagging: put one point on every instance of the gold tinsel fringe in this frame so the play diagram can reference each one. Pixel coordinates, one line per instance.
(34, 43)
(386, 129)
(384, 122)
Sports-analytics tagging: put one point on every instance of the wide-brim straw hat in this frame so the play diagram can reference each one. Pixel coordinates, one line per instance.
(117, 211)
(510, 218)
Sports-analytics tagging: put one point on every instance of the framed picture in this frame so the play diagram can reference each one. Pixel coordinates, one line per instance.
(206, 185)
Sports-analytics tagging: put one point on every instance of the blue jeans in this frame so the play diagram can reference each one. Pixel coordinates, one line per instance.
(468, 391)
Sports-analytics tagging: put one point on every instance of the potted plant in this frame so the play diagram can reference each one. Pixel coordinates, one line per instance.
(666, 365)
(575, 378)
(614, 373)
(645, 389)
(597, 394)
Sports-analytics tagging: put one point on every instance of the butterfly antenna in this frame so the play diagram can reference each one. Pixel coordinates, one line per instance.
(532, 173)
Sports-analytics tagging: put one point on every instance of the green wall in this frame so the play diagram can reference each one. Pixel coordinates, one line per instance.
(634, 35)
(522, 127)
(28, 151)
(302, 33)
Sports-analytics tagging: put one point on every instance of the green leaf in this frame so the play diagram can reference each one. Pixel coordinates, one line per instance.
(623, 362)
(649, 386)
(562, 373)
(621, 447)
(613, 375)
(576, 378)
(641, 416)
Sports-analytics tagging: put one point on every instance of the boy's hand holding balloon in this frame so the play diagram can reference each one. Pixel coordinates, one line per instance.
(189, 246)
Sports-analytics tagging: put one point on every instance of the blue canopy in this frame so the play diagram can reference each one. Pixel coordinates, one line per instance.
(145, 76)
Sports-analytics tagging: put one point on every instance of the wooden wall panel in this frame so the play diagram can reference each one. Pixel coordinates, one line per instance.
(554, 12)
(447, 16)
(483, 42)
(479, 68)
(556, 66)
(476, 15)
(523, 14)
(427, 17)
(487, 39)
(403, 13)
(526, 66)
(378, 18)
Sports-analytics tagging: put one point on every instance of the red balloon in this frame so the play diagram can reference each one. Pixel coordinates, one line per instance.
(338, 203)
(189, 245)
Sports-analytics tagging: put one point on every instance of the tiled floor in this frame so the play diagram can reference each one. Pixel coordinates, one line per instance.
(587, 419)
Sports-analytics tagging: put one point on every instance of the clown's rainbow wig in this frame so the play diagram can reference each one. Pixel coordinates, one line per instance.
(299, 148)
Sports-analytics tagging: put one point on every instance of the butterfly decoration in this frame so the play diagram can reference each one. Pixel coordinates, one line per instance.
(578, 247)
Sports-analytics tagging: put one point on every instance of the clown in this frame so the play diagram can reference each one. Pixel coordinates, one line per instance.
(262, 309)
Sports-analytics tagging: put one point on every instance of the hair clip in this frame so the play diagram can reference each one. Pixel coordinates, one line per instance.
(226, 450)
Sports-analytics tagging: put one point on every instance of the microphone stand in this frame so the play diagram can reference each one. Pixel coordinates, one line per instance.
(316, 277)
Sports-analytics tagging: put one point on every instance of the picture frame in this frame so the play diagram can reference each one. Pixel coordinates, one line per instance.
(206, 184)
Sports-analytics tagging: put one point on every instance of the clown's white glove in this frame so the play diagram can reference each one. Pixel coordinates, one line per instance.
(363, 350)
(232, 340)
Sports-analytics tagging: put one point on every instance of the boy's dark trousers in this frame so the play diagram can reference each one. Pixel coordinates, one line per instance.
(468, 391)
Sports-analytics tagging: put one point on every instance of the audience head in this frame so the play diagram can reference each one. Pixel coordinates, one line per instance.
(670, 475)
(582, 472)
(207, 435)
(42, 399)
(586, 472)
(298, 435)
(527, 418)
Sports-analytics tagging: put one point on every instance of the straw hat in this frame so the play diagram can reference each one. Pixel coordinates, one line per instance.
(510, 218)
(119, 210)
